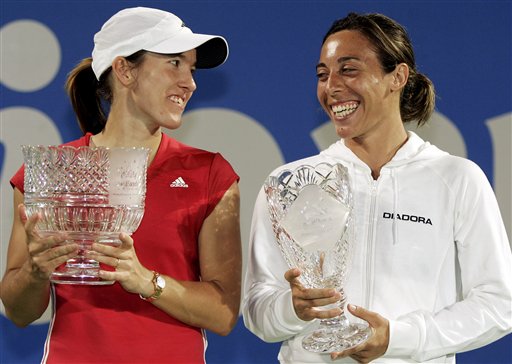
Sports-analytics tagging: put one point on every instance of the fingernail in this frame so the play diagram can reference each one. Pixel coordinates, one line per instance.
(352, 307)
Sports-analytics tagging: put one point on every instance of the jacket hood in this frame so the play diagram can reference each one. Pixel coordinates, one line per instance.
(414, 150)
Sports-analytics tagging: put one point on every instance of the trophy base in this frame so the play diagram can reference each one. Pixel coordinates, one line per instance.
(79, 271)
(336, 339)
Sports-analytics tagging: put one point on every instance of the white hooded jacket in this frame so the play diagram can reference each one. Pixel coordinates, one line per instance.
(431, 255)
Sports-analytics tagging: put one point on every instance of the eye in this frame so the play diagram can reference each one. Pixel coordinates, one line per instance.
(175, 62)
(347, 70)
(322, 75)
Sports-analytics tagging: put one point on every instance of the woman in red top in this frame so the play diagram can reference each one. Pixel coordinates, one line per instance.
(142, 64)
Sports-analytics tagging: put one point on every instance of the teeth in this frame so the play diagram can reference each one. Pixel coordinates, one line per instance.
(345, 109)
(177, 100)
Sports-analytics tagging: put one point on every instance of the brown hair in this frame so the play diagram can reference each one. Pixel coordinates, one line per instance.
(393, 46)
(91, 98)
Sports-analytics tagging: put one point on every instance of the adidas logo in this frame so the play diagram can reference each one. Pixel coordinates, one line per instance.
(179, 182)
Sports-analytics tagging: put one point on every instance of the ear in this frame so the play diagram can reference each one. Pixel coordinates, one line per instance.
(122, 70)
(400, 76)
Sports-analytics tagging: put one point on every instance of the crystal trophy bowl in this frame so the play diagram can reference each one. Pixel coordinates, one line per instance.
(90, 194)
(311, 214)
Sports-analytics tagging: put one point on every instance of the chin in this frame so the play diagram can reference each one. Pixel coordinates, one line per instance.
(172, 124)
(341, 130)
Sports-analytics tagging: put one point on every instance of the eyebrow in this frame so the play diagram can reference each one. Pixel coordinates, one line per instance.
(339, 60)
(178, 55)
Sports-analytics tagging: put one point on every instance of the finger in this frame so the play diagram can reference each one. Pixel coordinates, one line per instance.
(302, 302)
(62, 254)
(292, 276)
(38, 246)
(349, 352)
(112, 261)
(46, 263)
(337, 355)
(321, 314)
(110, 275)
(30, 222)
(373, 318)
(109, 249)
(323, 296)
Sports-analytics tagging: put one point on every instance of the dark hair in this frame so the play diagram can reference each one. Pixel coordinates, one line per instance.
(393, 46)
(89, 96)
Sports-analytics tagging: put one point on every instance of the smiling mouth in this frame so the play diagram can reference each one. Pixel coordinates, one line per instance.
(343, 110)
(177, 100)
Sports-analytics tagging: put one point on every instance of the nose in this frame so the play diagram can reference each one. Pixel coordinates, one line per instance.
(187, 82)
(333, 84)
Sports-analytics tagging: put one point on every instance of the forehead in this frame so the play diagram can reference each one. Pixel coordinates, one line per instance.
(347, 43)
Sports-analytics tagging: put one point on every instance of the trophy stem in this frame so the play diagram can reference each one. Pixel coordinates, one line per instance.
(336, 334)
(80, 269)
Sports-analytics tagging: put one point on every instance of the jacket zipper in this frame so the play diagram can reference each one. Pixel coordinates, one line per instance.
(370, 243)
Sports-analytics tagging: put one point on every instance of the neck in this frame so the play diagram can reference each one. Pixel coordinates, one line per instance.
(119, 132)
(377, 150)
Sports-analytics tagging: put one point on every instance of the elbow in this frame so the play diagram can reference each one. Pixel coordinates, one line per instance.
(224, 332)
(20, 322)
(225, 327)
(227, 322)
(18, 317)
(11, 315)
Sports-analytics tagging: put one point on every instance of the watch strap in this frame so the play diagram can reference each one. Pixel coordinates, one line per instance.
(157, 289)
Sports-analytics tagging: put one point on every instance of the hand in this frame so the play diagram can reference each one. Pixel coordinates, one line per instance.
(306, 301)
(376, 345)
(45, 254)
(129, 272)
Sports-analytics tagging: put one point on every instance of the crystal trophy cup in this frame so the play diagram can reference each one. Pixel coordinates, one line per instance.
(90, 194)
(311, 213)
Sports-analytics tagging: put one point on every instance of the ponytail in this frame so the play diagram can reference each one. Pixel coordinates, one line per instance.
(418, 99)
(86, 95)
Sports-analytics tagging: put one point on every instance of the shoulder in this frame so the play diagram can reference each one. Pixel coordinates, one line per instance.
(171, 148)
(80, 142)
(170, 144)
(175, 154)
(458, 168)
(460, 175)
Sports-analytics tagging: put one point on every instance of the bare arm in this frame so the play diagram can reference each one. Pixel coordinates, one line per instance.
(25, 287)
(212, 303)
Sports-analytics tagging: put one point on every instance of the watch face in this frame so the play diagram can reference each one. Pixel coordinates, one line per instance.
(160, 282)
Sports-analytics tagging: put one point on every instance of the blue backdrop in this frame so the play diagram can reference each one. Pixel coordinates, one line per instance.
(260, 109)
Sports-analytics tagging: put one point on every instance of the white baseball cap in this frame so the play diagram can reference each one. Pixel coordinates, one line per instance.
(135, 29)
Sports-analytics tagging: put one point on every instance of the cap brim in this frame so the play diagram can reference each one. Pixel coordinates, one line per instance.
(212, 50)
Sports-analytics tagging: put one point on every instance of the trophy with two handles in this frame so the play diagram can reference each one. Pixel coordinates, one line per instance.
(311, 213)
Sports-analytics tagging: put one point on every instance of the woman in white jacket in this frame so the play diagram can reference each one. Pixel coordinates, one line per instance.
(431, 271)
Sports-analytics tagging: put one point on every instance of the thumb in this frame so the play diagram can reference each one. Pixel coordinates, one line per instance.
(292, 274)
(22, 212)
(364, 314)
(126, 239)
